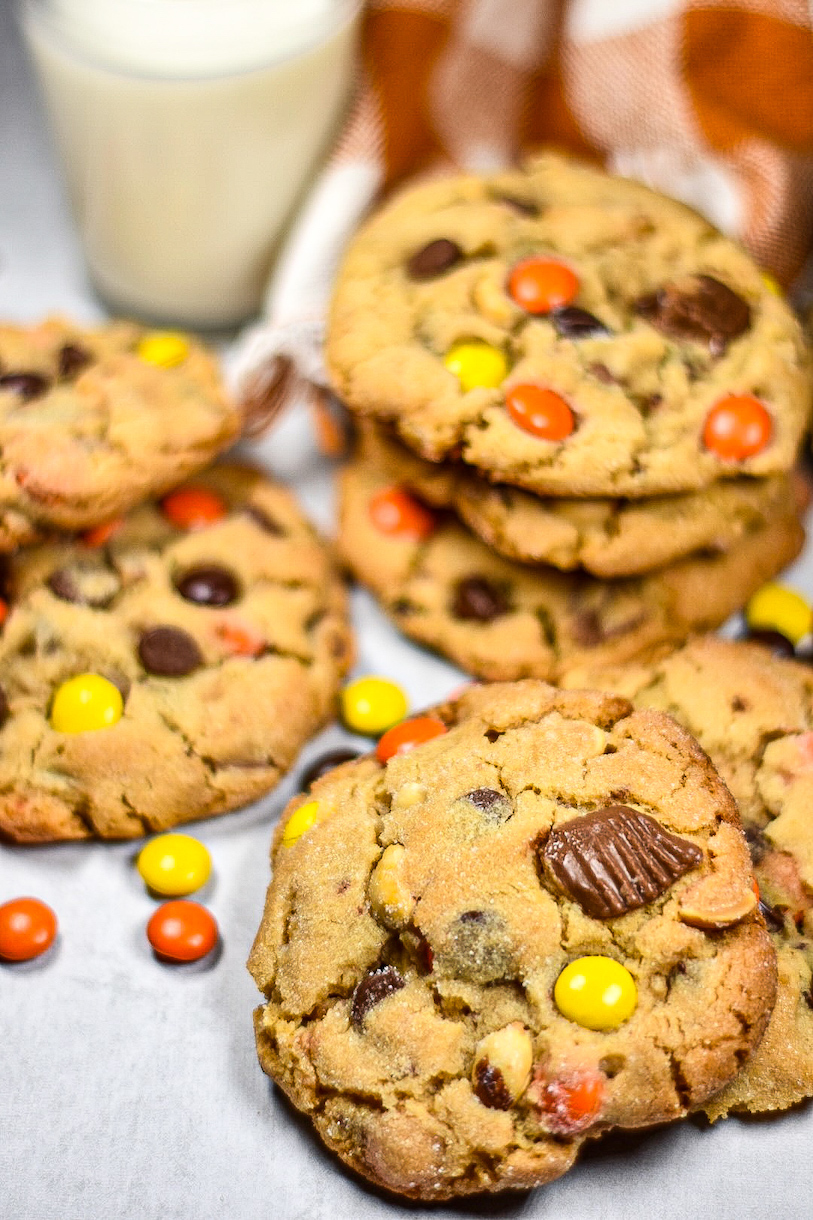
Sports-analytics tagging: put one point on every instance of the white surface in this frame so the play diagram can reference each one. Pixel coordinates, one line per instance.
(130, 1091)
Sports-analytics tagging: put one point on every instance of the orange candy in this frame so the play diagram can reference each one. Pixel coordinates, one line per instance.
(239, 639)
(540, 412)
(182, 931)
(540, 285)
(408, 734)
(737, 427)
(100, 534)
(394, 511)
(3, 611)
(193, 508)
(27, 929)
(571, 1102)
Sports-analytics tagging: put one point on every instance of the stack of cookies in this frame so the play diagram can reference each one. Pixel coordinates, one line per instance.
(172, 635)
(580, 409)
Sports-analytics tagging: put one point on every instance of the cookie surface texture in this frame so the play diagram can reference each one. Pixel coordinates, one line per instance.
(89, 427)
(653, 359)
(421, 934)
(182, 667)
(501, 620)
(753, 714)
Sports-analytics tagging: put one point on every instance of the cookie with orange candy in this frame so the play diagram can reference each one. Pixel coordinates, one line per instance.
(753, 714)
(526, 918)
(568, 332)
(168, 666)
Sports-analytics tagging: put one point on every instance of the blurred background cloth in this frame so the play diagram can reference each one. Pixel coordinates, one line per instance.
(711, 103)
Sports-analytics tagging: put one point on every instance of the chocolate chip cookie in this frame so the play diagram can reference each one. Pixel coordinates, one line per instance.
(166, 668)
(570, 333)
(502, 620)
(606, 537)
(94, 421)
(535, 926)
(753, 714)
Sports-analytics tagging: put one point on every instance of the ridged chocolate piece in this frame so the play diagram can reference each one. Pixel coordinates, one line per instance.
(615, 860)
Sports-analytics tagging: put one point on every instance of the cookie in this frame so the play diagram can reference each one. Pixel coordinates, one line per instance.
(200, 642)
(570, 333)
(94, 421)
(606, 537)
(426, 916)
(753, 714)
(502, 620)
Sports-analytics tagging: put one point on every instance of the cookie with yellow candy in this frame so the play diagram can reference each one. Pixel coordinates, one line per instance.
(166, 668)
(532, 926)
(127, 413)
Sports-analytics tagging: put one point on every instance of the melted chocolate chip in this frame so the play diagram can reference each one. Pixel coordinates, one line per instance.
(4, 708)
(777, 644)
(477, 598)
(495, 806)
(325, 763)
(208, 585)
(372, 989)
(433, 259)
(615, 860)
(490, 1087)
(757, 843)
(703, 309)
(169, 652)
(773, 917)
(26, 386)
(72, 360)
(574, 323)
(260, 517)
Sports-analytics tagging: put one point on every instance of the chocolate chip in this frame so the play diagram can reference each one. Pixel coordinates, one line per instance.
(433, 259)
(208, 585)
(63, 586)
(26, 386)
(524, 207)
(586, 628)
(602, 373)
(757, 843)
(72, 360)
(372, 989)
(777, 644)
(325, 763)
(85, 586)
(169, 652)
(477, 598)
(496, 806)
(477, 948)
(4, 708)
(701, 309)
(772, 917)
(615, 860)
(574, 323)
(473, 917)
(260, 517)
(490, 1087)
(738, 704)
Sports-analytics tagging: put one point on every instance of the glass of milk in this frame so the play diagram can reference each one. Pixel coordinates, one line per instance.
(188, 131)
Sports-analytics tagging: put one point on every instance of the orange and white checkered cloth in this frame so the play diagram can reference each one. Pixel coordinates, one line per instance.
(710, 101)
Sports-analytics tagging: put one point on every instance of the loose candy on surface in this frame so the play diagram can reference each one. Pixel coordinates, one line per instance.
(86, 703)
(165, 349)
(372, 705)
(539, 285)
(539, 411)
(407, 735)
(174, 864)
(737, 427)
(182, 931)
(394, 511)
(300, 821)
(596, 992)
(193, 508)
(476, 365)
(779, 609)
(28, 928)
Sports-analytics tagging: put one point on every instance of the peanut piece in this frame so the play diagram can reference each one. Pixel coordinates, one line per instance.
(389, 895)
(502, 1066)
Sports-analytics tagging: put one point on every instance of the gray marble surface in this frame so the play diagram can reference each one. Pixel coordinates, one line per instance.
(130, 1091)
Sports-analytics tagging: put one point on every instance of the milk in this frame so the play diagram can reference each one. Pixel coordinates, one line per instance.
(188, 131)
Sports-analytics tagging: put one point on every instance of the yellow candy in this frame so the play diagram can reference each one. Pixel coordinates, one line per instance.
(476, 364)
(373, 705)
(771, 284)
(778, 609)
(596, 992)
(86, 702)
(164, 348)
(174, 865)
(299, 822)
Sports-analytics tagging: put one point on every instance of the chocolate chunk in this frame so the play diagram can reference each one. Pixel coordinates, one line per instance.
(496, 806)
(325, 763)
(169, 652)
(701, 308)
(260, 517)
(25, 385)
(433, 259)
(777, 644)
(72, 360)
(4, 708)
(490, 1087)
(772, 916)
(477, 598)
(208, 585)
(574, 323)
(615, 860)
(372, 989)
